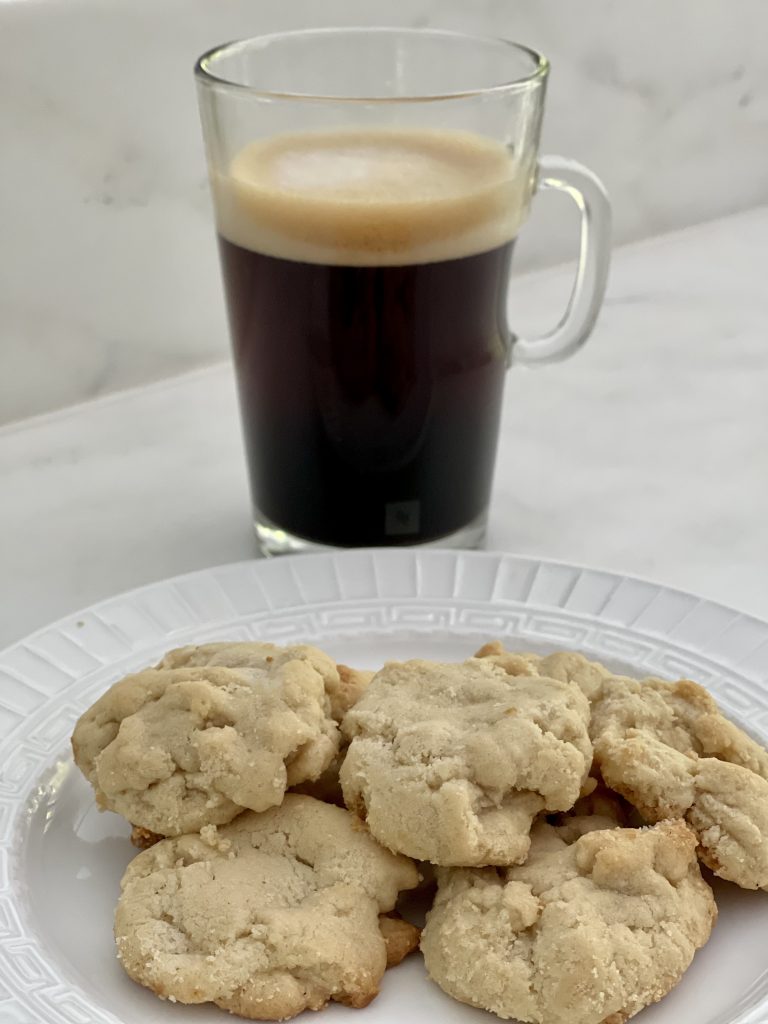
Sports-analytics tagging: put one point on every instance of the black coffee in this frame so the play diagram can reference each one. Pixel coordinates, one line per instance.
(370, 393)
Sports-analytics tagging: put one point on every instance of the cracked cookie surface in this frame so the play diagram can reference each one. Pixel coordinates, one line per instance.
(582, 933)
(343, 685)
(175, 748)
(450, 763)
(669, 750)
(270, 915)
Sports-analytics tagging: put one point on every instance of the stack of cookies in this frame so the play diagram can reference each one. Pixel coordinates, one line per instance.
(263, 901)
(285, 801)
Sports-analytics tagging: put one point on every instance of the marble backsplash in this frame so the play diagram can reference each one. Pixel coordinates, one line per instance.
(109, 274)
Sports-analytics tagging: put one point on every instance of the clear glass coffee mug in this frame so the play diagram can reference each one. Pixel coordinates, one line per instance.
(368, 187)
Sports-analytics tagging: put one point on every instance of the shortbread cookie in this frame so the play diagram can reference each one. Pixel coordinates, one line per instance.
(586, 933)
(270, 915)
(671, 752)
(174, 749)
(401, 937)
(450, 763)
(343, 685)
(726, 804)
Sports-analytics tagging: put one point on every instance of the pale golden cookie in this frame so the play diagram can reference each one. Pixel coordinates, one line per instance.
(579, 934)
(450, 763)
(174, 749)
(270, 915)
(343, 685)
(669, 750)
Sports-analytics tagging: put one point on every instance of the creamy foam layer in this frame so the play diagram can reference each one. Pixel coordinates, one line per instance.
(372, 197)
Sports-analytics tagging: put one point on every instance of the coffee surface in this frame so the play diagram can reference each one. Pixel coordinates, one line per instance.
(372, 197)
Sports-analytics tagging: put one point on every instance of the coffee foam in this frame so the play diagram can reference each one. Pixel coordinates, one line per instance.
(372, 197)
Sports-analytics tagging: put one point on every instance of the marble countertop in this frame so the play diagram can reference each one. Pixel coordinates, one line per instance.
(647, 453)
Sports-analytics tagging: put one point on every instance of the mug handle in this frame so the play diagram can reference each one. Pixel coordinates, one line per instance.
(589, 194)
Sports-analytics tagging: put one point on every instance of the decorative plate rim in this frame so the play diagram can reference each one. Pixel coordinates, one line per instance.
(342, 552)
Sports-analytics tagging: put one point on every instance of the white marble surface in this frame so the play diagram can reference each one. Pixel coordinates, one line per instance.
(110, 276)
(645, 454)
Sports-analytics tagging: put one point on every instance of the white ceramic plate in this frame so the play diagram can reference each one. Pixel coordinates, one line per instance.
(60, 860)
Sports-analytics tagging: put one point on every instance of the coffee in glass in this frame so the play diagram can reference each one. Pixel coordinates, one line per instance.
(366, 264)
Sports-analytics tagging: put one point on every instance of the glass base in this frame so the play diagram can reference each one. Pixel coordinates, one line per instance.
(274, 541)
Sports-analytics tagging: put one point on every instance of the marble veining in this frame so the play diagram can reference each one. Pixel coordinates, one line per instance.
(643, 454)
(110, 276)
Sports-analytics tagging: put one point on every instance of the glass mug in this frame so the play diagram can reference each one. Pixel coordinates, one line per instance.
(368, 187)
